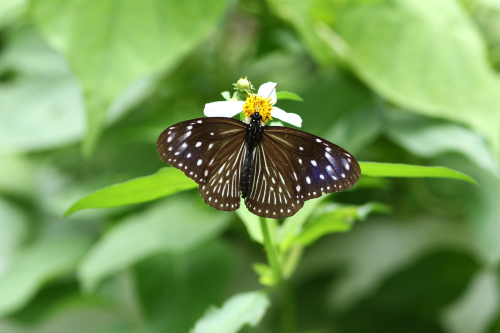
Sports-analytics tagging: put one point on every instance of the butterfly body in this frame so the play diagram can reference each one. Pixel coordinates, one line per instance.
(253, 138)
(275, 169)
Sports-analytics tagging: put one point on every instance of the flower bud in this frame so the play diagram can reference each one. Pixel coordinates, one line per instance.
(243, 87)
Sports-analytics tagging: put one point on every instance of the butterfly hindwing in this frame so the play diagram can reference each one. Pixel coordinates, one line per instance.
(307, 166)
(210, 151)
(271, 192)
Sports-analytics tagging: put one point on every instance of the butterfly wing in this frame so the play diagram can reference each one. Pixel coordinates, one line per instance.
(302, 165)
(210, 151)
(272, 192)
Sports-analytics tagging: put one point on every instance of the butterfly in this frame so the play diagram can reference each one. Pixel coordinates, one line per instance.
(274, 168)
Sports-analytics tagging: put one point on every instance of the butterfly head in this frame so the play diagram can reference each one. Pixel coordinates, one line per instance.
(256, 104)
(256, 117)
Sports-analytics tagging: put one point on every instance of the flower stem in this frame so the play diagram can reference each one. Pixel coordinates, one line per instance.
(271, 253)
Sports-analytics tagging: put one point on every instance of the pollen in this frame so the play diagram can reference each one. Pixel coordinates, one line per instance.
(255, 103)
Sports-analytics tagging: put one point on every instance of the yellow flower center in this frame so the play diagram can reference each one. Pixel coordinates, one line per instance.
(255, 103)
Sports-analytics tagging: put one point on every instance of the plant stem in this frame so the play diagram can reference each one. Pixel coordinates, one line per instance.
(271, 253)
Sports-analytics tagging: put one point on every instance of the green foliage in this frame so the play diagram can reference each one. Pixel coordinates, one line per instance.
(86, 87)
(241, 309)
(35, 266)
(165, 182)
(110, 44)
(146, 233)
(403, 170)
(185, 296)
(288, 95)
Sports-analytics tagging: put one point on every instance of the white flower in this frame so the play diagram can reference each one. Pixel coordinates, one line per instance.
(264, 101)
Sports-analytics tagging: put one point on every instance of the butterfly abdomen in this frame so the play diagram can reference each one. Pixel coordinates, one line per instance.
(247, 173)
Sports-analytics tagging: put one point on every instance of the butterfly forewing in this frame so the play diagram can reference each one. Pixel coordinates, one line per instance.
(210, 151)
(222, 189)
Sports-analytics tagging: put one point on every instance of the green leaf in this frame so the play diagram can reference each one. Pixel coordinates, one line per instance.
(91, 316)
(338, 219)
(288, 95)
(23, 184)
(265, 273)
(172, 294)
(292, 226)
(369, 252)
(357, 129)
(44, 94)
(483, 211)
(47, 98)
(429, 137)
(13, 228)
(477, 308)
(165, 182)
(36, 265)
(241, 309)
(111, 43)
(11, 10)
(175, 225)
(226, 95)
(414, 59)
(252, 223)
(410, 171)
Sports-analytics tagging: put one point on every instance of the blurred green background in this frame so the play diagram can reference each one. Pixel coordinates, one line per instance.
(86, 87)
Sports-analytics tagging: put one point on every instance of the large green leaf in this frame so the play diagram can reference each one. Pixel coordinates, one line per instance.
(430, 137)
(11, 10)
(165, 182)
(112, 43)
(36, 265)
(411, 171)
(94, 317)
(483, 211)
(173, 295)
(374, 251)
(13, 228)
(477, 308)
(241, 309)
(41, 106)
(174, 225)
(426, 56)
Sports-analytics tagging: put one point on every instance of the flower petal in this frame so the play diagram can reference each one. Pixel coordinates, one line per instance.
(291, 118)
(268, 90)
(223, 109)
